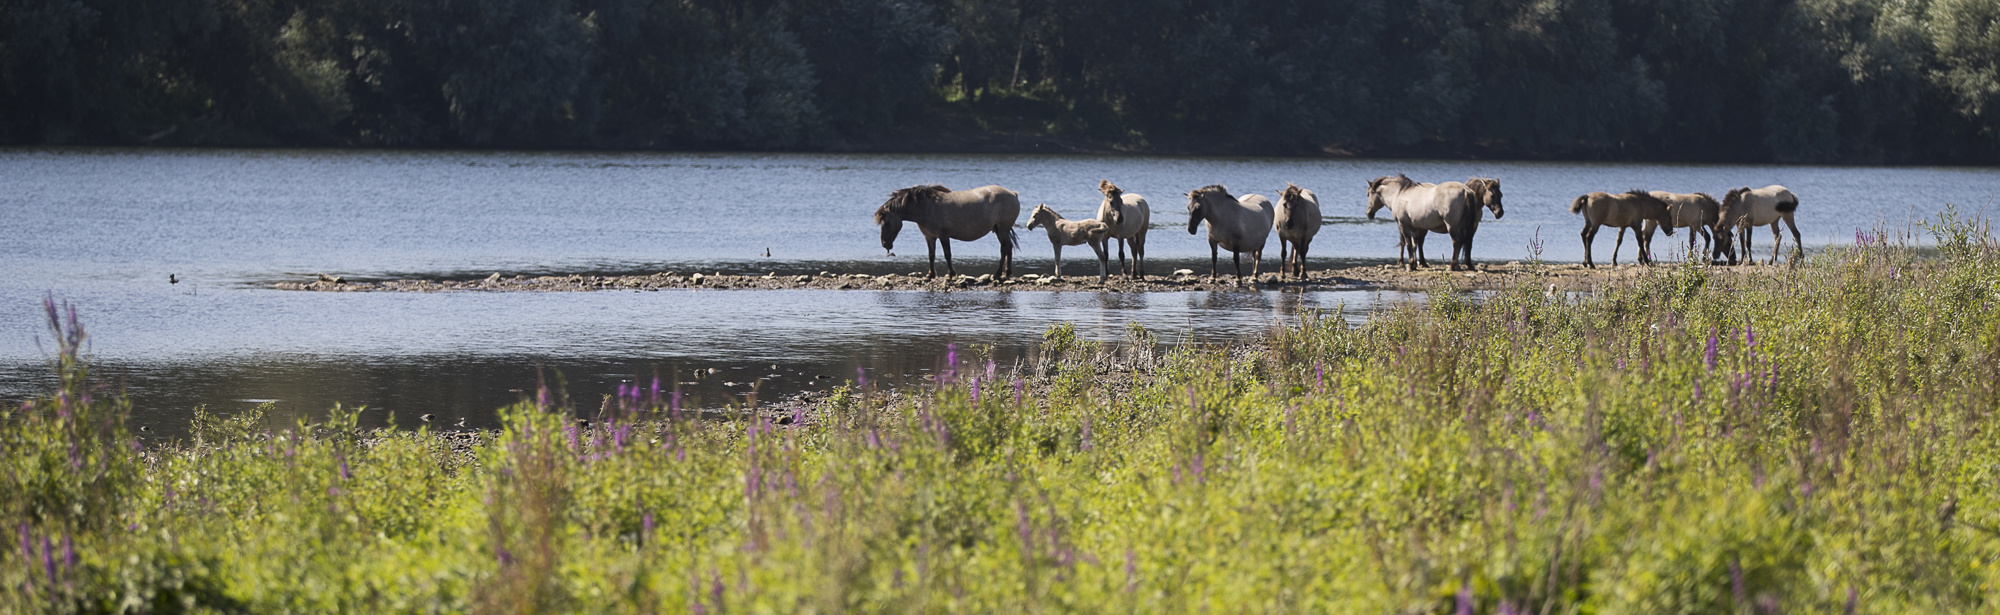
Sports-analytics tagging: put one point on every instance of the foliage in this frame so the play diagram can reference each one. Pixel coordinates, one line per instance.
(1719, 80)
(1802, 440)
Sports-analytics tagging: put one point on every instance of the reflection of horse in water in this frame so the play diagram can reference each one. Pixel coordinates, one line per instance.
(1744, 209)
(1128, 215)
(1236, 224)
(1297, 221)
(943, 214)
(1632, 210)
(1073, 233)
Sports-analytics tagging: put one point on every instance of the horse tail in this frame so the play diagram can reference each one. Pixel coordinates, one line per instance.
(1576, 206)
(1789, 205)
(1013, 239)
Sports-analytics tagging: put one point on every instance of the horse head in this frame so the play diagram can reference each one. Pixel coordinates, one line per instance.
(1114, 200)
(1488, 193)
(1197, 206)
(1042, 215)
(901, 205)
(1376, 199)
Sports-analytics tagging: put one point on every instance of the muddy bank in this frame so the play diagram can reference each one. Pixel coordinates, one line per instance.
(1567, 276)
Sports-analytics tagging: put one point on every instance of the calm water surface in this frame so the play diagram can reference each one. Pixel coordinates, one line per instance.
(104, 228)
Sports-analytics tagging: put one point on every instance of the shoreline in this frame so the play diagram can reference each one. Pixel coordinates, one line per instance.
(1486, 276)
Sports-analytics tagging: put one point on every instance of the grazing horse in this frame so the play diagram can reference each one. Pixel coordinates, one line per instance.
(1744, 209)
(1128, 216)
(1449, 208)
(964, 215)
(1629, 210)
(1297, 221)
(1073, 233)
(1696, 212)
(1239, 225)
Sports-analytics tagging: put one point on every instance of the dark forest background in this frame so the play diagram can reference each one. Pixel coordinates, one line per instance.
(1864, 81)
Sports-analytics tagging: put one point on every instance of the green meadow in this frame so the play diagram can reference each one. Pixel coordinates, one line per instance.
(1811, 439)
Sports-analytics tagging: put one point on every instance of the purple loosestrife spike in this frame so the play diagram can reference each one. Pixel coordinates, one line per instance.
(1853, 600)
(951, 355)
(646, 523)
(975, 391)
(1465, 597)
(715, 589)
(1736, 588)
(656, 390)
(69, 553)
(1708, 357)
(48, 560)
(344, 473)
(1131, 570)
(860, 378)
(27, 543)
(1749, 337)
(992, 370)
(1087, 445)
(1020, 387)
(1024, 528)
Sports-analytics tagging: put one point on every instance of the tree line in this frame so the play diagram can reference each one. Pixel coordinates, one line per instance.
(1865, 81)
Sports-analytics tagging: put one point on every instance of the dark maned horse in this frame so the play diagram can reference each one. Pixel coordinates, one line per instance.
(964, 215)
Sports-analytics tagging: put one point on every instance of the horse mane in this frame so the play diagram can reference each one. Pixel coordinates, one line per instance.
(1109, 189)
(1481, 188)
(1209, 189)
(901, 200)
(1291, 191)
(1734, 196)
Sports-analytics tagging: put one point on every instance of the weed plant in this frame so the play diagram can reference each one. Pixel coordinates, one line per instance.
(1816, 439)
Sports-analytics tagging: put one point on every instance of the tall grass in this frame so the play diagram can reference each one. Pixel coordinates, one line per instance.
(1816, 439)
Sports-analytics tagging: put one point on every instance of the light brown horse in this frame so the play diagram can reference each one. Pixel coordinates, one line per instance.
(1449, 208)
(1064, 232)
(1694, 211)
(1744, 210)
(1297, 221)
(1629, 210)
(1236, 224)
(1128, 215)
(964, 215)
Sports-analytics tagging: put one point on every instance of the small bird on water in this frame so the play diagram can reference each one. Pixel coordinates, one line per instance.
(426, 417)
(172, 280)
(767, 251)
(460, 424)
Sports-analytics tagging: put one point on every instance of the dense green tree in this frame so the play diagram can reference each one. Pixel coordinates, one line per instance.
(1735, 80)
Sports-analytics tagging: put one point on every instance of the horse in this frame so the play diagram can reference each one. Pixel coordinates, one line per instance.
(1697, 212)
(1074, 233)
(1448, 208)
(1238, 224)
(1629, 210)
(1128, 215)
(1479, 192)
(1297, 221)
(964, 215)
(1744, 209)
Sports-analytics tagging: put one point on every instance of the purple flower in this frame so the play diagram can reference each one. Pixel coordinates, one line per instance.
(1708, 357)
(1020, 387)
(715, 589)
(860, 377)
(1736, 588)
(646, 523)
(1086, 434)
(1465, 597)
(1749, 337)
(1697, 390)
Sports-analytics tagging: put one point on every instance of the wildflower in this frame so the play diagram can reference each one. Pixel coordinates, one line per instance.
(1736, 588)
(1465, 597)
(1132, 572)
(646, 523)
(1708, 357)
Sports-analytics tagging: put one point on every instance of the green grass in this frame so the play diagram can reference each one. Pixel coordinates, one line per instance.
(1813, 440)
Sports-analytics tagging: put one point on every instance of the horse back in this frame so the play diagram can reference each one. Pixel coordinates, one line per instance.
(967, 215)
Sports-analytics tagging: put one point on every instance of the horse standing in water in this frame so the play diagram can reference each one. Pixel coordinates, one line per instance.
(1632, 210)
(1744, 209)
(1697, 212)
(1237, 224)
(944, 214)
(1128, 216)
(1297, 221)
(1073, 233)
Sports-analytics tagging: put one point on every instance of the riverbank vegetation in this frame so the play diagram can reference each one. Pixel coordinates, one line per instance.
(1734, 80)
(1816, 439)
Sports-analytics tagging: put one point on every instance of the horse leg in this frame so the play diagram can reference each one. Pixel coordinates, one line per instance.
(1236, 263)
(1104, 260)
(1284, 263)
(1617, 245)
(1743, 233)
(1121, 255)
(1139, 257)
(1006, 236)
(1256, 264)
(949, 271)
(1589, 233)
(1300, 254)
(1212, 264)
(931, 243)
(1777, 242)
(1795, 235)
(1058, 261)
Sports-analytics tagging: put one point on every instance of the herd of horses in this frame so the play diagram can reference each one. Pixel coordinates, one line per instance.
(1244, 224)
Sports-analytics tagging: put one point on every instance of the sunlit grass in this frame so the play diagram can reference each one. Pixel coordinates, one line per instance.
(1812, 440)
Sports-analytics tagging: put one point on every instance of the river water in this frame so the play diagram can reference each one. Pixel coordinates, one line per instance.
(104, 228)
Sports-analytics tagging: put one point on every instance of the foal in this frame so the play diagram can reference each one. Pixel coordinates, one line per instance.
(1074, 233)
